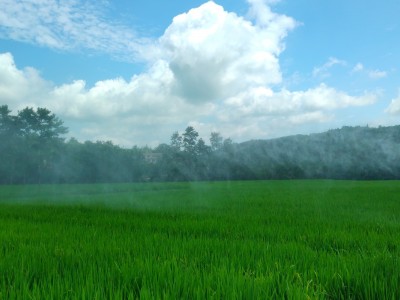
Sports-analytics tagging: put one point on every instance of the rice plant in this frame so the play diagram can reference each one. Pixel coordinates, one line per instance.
(210, 240)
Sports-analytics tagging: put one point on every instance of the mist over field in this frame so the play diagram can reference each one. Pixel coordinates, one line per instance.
(34, 150)
(253, 239)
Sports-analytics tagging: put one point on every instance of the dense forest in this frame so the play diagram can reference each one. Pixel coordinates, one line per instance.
(33, 150)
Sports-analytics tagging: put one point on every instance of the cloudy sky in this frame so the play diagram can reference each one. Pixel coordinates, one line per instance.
(133, 72)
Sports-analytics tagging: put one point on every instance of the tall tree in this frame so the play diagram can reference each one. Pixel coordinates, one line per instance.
(7, 122)
(41, 123)
(41, 133)
(190, 140)
(201, 148)
(216, 141)
(176, 141)
(9, 146)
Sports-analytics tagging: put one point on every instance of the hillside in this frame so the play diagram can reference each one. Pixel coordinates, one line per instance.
(346, 153)
(33, 150)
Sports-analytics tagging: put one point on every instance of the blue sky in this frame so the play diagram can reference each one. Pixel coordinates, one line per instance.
(135, 71)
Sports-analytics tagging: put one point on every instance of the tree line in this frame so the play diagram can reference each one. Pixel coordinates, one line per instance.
(33, 150)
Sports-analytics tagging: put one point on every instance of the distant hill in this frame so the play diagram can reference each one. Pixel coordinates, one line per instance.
(346, 153)
(33, 150)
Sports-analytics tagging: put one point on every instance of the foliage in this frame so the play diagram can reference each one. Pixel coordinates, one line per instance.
(346, 153)
(216, 141)
(30, 144)
(222, 240)
(190, 140)
(32, 150)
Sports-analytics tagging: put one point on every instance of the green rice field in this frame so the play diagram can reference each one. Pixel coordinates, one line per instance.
(205, 240)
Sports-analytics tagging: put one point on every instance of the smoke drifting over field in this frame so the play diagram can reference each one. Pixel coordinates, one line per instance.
(34, 151)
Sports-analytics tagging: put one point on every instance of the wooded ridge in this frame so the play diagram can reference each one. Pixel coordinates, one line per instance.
(33, 150)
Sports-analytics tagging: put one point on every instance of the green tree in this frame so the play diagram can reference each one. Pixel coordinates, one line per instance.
(9, 146)
(7, 122)
(190, 140)
(41, 123)
(216, 141)
(201, 148)
(39, 133)
(228, 145)
(176, 141)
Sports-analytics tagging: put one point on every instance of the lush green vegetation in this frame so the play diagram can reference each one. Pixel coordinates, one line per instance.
(221, 240)
(33, 150)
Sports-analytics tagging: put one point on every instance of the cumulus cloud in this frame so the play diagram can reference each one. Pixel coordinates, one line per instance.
(113, 109)
(211, 67)
(20, 86)
(264, 102)
(214, 54)
(394, 106)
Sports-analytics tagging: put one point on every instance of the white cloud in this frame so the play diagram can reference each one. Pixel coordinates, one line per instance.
(394, 106)
(264, 102)
(358, 68)
(323, 71)
(261, 12)
(211, 68)
(214, 54)
(377, 74)
(112, 109)
(20, 86)
(68, 25)
(310, 117)
(372, 74)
